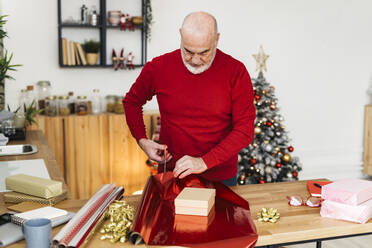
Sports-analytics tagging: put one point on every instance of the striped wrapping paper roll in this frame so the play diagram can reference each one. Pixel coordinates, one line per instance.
(75, 232)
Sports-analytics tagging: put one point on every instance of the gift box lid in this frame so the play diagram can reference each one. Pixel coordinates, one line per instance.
(195, 198)
(348, 191)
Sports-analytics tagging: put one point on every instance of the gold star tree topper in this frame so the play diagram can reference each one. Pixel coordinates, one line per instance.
(261, 58)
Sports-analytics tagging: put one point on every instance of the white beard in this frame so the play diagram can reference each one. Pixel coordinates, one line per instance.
(199, 69)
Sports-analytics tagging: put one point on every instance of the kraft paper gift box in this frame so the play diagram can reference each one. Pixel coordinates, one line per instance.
(335, 210)
(15, 197)
(35, 186)
(195, 201)
(348, 191)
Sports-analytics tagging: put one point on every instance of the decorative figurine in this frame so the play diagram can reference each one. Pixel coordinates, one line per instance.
(114, 60)
(123, 21)
(121, 59)
(84, 14)
(129, 22)
(130, 58)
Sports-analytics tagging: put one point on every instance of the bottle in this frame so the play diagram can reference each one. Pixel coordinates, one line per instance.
(94, 17)
(30, 97)
(22, 100)
(96, 102)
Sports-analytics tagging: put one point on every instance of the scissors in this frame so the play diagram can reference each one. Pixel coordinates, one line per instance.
(165, 158)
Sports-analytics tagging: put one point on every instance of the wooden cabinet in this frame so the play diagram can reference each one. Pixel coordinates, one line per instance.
(367, 154)
(93, 150)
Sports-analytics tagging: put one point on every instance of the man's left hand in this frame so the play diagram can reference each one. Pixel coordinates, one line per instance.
(189, 165)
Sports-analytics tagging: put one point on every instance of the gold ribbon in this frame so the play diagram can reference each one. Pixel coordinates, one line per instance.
(268, 215)
(121, 217)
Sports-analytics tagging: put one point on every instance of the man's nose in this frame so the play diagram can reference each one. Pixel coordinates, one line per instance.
(196, 60)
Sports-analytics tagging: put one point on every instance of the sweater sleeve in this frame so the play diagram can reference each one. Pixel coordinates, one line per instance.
(141, 91)
(243, 115)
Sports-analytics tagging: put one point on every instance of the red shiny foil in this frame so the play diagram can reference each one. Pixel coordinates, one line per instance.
(229, 224)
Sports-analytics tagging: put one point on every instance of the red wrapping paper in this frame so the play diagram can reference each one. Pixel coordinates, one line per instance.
(229, 223)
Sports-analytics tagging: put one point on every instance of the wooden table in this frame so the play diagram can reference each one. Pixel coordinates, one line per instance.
(296, 225)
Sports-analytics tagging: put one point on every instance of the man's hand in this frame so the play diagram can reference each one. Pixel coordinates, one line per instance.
(154, 150)
(189, 165)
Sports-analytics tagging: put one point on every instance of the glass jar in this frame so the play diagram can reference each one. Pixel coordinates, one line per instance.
(71, 104)
(110, 103)
(119, 108)
(81, 105)
(96, 102)
(51, 106)
(63, 105)
(43, 90)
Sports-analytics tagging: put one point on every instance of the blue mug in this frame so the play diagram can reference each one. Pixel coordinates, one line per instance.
(38, 233)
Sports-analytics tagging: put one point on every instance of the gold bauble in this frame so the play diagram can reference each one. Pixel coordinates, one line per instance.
(272, 106)
(257, 130)
(286, 157)
(263, 92)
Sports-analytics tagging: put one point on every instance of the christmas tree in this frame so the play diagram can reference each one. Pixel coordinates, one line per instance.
(268, 158)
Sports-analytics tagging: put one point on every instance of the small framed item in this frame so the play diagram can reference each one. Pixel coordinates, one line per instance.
(195, 201)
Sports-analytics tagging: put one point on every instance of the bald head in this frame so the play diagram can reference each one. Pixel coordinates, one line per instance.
(199, 38)
(199, 23)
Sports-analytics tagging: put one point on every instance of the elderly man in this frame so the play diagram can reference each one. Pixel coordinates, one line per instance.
(205, 101)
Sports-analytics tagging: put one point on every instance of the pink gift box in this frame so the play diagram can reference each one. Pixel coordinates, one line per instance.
(348, 191)
(335, 210)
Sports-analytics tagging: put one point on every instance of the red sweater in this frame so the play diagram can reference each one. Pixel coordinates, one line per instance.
(209, 115)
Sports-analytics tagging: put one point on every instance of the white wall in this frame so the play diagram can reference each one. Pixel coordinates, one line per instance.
(320, 63)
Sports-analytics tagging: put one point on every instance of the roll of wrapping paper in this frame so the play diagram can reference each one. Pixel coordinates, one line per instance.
(76, 231)
(155, 222)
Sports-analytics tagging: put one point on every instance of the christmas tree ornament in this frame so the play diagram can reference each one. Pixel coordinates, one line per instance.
(253, 161)
(269, 148)
(268, 215)
(257, 97)
(278, 165)
(239, 158)
(289, 175)
(286, 157)
(263, 92)
(294, 173)
(257, 130)
(262, 181)
(291, 149)
(261, 58)
(268, 169)
(273, 107)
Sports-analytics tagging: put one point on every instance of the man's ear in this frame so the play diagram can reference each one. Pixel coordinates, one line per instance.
(217, 38)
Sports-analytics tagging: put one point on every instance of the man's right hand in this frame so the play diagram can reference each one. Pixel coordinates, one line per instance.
(154, 150)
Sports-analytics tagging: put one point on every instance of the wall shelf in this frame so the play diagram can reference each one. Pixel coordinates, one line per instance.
(103, 27)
